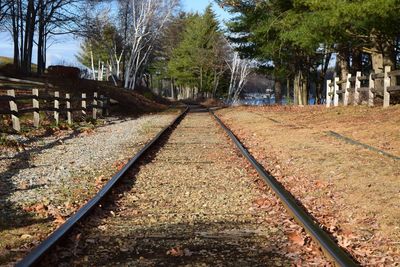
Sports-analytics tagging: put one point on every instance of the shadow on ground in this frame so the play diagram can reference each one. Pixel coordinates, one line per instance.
(202, 243)
(12, 217)
(101, 240)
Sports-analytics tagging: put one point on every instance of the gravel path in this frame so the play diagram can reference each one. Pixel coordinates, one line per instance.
(42, 185)
(196, 203)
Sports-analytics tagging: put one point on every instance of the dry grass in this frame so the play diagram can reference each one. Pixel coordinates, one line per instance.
(360, 192)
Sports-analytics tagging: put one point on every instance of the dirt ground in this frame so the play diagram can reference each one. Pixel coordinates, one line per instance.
(354, 192)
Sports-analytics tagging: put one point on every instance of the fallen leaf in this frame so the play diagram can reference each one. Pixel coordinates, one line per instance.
(59, 219)
(176, 252)
(296, 238)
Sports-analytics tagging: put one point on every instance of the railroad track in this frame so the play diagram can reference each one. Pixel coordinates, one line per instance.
(182, 201)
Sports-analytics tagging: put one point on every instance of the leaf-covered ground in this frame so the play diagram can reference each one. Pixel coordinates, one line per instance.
(352, 191)
(195, 203)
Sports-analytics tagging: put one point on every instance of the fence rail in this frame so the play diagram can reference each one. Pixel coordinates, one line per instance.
(376, 83)
(97, 104)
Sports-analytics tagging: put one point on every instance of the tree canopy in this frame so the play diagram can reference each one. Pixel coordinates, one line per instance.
(197, 61)
(297, 37)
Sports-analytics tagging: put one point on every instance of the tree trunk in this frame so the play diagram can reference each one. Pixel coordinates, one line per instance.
(300, 88)
(15, 33)
(201, 79)
(278, 91)
(216, 84)
(304, 90)
(343, 65)
(30, 24)
(98, 70)
(377, 62)
(356, 61)
(297, 88)
(40, 50)
(173, 89)
(321, 80)
(382, 54)
(92, 63)
(287, 90)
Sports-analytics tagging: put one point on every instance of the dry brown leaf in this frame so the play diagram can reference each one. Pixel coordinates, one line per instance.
(59, 220)
(176, 252)
(296, 238)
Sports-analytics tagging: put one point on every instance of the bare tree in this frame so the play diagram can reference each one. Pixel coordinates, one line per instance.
(32, 22)
(103, 43)
(54, 17)
(4, 9)
(148, 20)
(240, 70)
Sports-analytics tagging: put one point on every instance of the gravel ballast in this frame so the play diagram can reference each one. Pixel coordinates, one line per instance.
(195, 202)
(47, 180)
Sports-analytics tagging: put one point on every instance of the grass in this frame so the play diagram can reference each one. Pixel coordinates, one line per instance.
(5, 60)
(9, 60)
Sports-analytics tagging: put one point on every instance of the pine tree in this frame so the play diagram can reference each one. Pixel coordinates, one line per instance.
(197, 60)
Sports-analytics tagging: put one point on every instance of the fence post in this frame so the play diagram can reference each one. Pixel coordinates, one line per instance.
(386, 84)
(356, 87)
(84, 104)
(69, 113)
(101, 104)
(335, 89)
(107, 106)
(14, 108)
(95, 106)
(371, 86)
(346, 90)
(35, 104)
(56, 107)
(328, 91)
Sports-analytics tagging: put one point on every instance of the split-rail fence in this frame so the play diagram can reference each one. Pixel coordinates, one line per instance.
(54, 103)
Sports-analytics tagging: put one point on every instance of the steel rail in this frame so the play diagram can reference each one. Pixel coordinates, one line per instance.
(357, 143)
(37, 253)
(331, 248)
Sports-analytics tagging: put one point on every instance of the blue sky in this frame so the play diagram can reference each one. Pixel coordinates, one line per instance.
(200, 5)
(65, 48)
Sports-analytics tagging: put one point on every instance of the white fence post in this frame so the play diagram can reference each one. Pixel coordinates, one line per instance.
(56, 107)
(335, 94)
(386, 84)
(69, 112)
(83, 103)
(346, 90)
(328, 91)
(357, 86)
(371, 86)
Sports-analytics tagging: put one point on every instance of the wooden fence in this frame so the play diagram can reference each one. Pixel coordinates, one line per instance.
(59, 104)
(375, 83)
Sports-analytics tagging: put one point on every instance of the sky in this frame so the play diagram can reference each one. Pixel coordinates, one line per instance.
(64, 49)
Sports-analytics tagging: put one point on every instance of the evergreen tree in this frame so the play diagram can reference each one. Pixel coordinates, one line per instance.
(297, 37)
(197, 61)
